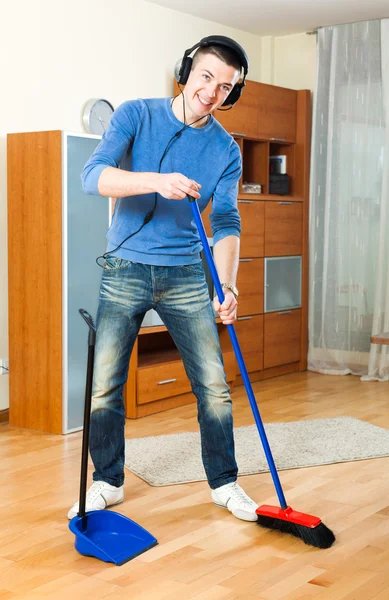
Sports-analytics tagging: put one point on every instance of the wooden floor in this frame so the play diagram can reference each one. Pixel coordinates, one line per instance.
(204, 553)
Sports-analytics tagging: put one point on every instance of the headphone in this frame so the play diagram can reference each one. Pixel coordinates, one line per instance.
(184, 66)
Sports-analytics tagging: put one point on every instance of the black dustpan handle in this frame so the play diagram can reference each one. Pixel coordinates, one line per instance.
(87, 408)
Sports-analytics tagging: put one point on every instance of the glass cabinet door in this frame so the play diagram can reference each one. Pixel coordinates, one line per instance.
(282, 283)
(87, 219)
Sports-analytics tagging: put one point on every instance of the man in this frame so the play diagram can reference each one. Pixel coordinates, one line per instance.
(153, 155)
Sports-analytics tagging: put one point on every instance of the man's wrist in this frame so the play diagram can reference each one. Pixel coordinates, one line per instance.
(230, 286)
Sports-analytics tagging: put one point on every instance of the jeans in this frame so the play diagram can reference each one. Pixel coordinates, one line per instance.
(180, 296)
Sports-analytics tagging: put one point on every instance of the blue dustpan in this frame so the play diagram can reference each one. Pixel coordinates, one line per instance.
(109, 536)
(104, 534)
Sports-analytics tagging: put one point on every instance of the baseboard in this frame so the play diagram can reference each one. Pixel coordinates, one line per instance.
(4, 416)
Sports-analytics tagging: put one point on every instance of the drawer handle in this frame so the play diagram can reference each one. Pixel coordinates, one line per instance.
(284, 312)
(244, 318)
(279, 139)
(246, 201)
(245, 260)
(236, 133)
(284, 202)
(167, 381)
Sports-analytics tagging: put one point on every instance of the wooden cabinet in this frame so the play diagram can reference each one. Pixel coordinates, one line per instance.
(253, 228)
(55, 233)
(282, 338)
(283, 228)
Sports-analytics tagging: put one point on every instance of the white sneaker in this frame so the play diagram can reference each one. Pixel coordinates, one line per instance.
(232, 496)
(99, 496)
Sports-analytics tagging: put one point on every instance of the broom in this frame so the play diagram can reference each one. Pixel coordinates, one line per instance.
(283, 518)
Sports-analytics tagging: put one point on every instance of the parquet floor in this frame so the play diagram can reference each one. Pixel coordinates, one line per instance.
(204, 553)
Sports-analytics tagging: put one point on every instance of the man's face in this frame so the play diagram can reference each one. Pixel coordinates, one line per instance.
(208, 86)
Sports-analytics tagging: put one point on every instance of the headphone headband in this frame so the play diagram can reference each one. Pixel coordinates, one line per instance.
(222, 40)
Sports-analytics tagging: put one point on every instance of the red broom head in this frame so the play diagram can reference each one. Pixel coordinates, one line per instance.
(308, 528)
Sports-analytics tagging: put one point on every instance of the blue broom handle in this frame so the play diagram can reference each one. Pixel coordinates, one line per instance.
(239, 356)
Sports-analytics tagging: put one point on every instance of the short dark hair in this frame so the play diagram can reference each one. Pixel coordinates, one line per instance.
(225, 54)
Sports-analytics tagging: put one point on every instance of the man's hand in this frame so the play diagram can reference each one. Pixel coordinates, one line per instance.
(227, 311)
(175, 186)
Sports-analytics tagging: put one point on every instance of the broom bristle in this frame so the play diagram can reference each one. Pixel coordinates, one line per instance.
(319, 536)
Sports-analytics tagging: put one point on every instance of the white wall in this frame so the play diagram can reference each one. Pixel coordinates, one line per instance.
(56, 54)
(294, 64)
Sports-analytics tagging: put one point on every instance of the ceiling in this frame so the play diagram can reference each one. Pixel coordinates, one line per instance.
(279, 17)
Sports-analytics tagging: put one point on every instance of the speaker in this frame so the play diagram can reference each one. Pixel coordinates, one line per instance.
(184, 66)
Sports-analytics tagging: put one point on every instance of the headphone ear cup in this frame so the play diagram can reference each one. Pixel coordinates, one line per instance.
(177, 69)
(186, 66)
(233, 96)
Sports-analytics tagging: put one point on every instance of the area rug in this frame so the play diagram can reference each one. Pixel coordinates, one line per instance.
(173, 459)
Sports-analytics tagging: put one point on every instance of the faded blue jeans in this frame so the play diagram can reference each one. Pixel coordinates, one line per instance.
(180, 296)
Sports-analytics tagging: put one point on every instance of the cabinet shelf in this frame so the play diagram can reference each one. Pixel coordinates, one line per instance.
(147, 359)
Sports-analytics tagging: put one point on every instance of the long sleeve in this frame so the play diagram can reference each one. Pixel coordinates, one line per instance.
(225, 219)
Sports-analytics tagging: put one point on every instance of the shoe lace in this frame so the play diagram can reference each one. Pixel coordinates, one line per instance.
(95, 490)
(239, 495)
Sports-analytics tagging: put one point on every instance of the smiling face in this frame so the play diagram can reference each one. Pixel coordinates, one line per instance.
(209, 83)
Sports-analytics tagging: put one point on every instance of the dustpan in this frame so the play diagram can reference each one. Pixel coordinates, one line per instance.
(103, 534)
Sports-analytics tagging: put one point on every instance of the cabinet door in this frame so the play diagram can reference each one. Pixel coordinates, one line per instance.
(249, 331)
(250, 286)
(282, 338)
(283, 228)
(252, 214)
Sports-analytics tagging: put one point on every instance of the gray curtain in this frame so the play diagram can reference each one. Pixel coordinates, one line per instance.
(349, 204)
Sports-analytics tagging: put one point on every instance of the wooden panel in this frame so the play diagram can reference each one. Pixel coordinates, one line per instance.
(270, 373)
(250, 286)
(35, 283)
(252, 215)
(282, 337)
(4, 416)
(283, 228)
(303, 147)
(249, 331)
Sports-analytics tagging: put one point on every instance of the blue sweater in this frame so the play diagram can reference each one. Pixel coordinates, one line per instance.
(135, 140)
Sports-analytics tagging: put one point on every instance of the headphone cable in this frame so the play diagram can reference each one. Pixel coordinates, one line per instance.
(150, 214)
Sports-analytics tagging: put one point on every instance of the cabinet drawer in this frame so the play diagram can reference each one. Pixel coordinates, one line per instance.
(283, 228)
(161, 381)
(252, 215)
(169, 379)
(249, 332)
(282, 338)
(250, 286)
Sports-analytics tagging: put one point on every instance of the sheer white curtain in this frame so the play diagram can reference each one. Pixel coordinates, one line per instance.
(349, 204)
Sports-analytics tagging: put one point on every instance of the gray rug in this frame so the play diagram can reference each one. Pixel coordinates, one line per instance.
(172, 459)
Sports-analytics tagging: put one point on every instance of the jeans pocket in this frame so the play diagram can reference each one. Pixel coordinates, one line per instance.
(113, 263)
(195, 269)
